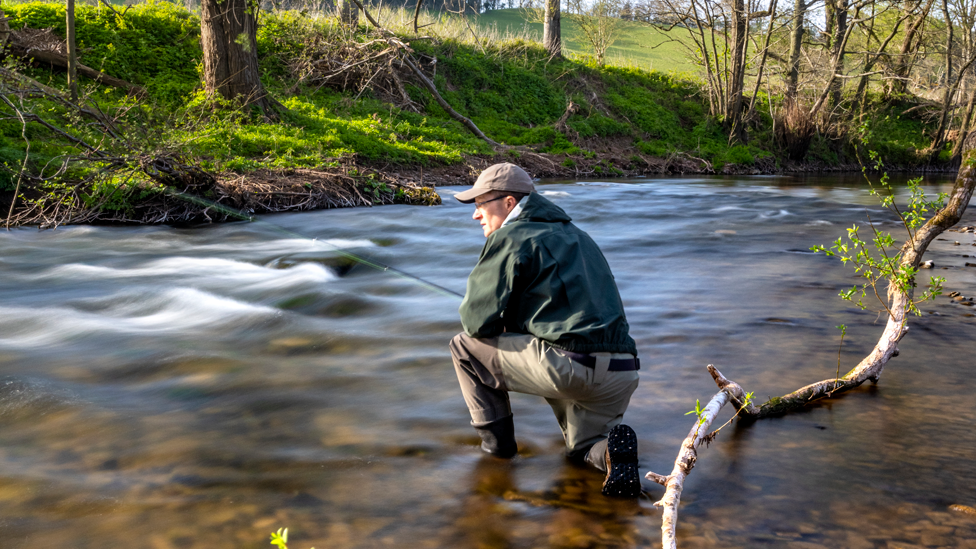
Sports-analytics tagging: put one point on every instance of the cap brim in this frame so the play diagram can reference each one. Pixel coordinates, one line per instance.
(468, 196)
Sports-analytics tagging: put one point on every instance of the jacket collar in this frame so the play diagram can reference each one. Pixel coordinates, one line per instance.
(536, 207)
(513, 215)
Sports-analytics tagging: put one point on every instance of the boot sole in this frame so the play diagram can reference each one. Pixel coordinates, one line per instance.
(623, 479)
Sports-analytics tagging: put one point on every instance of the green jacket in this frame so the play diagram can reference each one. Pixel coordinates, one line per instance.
(541, 275)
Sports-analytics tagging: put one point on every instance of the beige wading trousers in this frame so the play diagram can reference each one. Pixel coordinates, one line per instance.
(588, 402)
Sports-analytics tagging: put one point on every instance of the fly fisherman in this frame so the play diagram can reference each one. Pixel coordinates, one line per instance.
(542, 316)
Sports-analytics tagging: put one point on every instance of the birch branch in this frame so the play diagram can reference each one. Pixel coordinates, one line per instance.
(687, 456)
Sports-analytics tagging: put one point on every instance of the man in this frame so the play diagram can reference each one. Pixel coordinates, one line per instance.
(542, 316)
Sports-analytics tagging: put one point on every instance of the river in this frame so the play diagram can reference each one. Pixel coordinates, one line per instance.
(198, 387)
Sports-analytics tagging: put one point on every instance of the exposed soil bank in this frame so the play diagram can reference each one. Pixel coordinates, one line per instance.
(618, 162)
(198, 197)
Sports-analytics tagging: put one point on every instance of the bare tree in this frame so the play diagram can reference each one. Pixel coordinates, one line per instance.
(4, 30)
(911, 42)
(838, 49)
(963, 13)
(840, 14)
(719, 32)
(599, 23)
(871, 58)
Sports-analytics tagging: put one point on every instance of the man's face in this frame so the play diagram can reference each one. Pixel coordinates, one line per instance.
(491, 209)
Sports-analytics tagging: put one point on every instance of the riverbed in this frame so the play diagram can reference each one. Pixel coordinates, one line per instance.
(165, 387)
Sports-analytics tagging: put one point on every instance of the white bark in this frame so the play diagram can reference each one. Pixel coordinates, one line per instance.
(682, 466)
(688, 455)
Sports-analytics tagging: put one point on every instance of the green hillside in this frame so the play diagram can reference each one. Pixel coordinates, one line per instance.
(638, 45)
(562, 116)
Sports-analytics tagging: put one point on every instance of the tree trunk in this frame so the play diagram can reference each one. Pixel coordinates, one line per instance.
(228, 34)
(416, 14)
(796, 43)
(870, 60)
(909, 46)
(938, 140)
(737, 71)
(4, 30)
(551, 33)
(55, 59)
(964, 127)
(829, 16)
(840, 29)
(837, 63)
(349, 13)
(72, 50)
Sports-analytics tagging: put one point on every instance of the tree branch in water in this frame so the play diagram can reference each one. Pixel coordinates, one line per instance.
(870, 368)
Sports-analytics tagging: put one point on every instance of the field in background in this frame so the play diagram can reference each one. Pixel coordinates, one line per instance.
(639, 45)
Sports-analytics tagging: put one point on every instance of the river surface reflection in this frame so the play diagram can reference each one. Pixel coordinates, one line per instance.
(201, 387)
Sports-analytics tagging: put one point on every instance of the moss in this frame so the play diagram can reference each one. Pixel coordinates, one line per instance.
(424, 196)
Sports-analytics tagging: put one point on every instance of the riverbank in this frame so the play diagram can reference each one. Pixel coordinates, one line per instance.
(354, 126)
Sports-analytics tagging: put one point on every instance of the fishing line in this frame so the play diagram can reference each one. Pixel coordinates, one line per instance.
(232, 212)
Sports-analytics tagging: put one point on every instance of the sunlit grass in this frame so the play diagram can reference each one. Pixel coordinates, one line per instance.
(638, 44)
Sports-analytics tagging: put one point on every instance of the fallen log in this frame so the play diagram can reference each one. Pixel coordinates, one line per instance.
(899, 303)
(870, 368)
(44, 47)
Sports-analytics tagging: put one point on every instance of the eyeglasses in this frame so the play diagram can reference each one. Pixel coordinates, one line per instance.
(480, 205)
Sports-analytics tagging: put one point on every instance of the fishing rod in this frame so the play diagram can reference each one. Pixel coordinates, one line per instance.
(238, 214)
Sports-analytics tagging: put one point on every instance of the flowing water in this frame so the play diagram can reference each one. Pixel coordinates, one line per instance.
(202, 387)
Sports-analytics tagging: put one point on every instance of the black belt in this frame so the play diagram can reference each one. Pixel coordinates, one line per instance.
(616, 364)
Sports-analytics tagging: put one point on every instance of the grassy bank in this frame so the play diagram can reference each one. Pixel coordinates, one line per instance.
(565, 116)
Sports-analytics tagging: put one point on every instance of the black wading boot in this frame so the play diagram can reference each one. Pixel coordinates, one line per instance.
(623, 479)
(498, 438)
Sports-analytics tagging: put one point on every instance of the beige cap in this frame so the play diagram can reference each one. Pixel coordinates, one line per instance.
(500, 177)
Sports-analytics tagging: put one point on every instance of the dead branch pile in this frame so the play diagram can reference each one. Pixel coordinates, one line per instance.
(29, 40)
(795, 127)
(114, 174)
(349, 65)
(187, 194)
(303, 189)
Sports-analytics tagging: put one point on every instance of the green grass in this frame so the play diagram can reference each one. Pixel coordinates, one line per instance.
(507, 84)
(156, 45)
(638, 44)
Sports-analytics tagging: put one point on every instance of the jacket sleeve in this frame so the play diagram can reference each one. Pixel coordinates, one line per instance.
(489, 289)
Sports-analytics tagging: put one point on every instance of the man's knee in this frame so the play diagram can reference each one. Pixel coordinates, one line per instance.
(460, 345)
